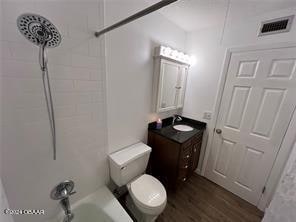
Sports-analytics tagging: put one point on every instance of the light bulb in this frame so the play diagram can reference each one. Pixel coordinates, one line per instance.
(192, 60)
(162, 50)
(177, 55)
(167, 51)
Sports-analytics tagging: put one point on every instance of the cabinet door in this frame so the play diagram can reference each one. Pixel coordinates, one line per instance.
(181, 86)
(167, 97)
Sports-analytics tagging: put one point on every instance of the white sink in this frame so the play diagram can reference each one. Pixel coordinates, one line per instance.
(183, 128)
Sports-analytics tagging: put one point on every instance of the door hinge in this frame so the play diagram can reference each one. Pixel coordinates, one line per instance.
(263, 190)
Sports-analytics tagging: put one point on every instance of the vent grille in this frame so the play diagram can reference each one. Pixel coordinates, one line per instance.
(278, 25)
(274, 26)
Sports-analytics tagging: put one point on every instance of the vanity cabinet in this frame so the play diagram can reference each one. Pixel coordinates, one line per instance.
(172, 162)
(169, 84)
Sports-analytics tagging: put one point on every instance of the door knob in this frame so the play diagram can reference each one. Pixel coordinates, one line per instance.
(218, 131)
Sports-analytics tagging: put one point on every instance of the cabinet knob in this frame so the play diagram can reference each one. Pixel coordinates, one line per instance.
(186, 166)
(184, 179)
(218, 131)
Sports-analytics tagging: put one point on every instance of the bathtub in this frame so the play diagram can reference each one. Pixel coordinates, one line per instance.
(100, 206)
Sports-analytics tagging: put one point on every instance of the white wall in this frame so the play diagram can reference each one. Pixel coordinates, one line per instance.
(77, 74)
(209, 47)
(130, 70)
(283, 204)
(4, 205)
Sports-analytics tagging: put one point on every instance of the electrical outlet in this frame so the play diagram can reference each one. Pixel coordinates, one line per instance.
(207, 115)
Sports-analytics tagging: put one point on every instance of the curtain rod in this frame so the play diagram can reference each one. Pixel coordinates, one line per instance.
(139, 14)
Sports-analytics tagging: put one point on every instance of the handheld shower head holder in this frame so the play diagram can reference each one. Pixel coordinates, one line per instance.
(43, 57)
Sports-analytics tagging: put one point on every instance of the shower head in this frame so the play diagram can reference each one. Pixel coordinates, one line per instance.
(38, 30)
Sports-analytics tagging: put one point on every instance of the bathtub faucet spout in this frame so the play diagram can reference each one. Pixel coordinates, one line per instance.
(62, 192)
(65, 203)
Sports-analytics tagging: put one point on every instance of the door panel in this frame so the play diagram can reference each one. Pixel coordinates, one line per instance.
(247, 68)
(282, 68)
(245, 177)
(224, 156)
(169, 79)
(182, 85)
(237, 106)
(267, 114)
(256, 107)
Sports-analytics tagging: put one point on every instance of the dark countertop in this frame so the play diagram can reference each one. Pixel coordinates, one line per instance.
(169, 132)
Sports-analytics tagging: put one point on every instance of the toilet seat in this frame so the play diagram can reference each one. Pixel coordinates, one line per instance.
(148, 194)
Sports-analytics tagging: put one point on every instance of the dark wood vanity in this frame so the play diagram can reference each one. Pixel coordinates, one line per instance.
(175, 154)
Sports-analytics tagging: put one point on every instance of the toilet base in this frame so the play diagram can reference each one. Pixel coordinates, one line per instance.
(139, 216)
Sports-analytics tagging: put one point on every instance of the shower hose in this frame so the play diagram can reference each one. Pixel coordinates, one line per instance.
(49, 105)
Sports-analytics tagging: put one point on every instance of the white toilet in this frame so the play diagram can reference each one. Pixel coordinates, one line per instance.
(127, 167)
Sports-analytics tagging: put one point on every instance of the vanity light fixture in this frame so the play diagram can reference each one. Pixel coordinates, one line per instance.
(174, 54)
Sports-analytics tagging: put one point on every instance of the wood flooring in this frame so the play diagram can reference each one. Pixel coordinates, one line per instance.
(201, 200)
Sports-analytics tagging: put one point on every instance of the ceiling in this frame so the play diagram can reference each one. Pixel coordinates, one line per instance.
(191, 15)
(195, 14)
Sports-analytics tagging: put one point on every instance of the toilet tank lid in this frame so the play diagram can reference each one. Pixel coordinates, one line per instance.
(128, 154)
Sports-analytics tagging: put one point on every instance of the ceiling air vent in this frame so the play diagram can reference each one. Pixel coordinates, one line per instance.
(277, 25)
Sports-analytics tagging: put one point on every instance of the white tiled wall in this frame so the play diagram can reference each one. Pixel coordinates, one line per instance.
(77, 75)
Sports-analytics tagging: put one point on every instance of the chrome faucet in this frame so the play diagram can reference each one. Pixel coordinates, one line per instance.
(62, 192)
(66, 206)
(176, 118)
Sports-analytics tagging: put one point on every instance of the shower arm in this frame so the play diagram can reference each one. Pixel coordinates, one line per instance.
(136, 16)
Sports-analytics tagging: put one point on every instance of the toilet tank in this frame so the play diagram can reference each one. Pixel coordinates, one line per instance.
(128, 163)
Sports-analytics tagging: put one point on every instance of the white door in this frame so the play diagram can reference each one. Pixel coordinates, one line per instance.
(257, 103)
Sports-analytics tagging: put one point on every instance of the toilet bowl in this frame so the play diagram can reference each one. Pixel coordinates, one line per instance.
(127, 167)
(148, 195)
